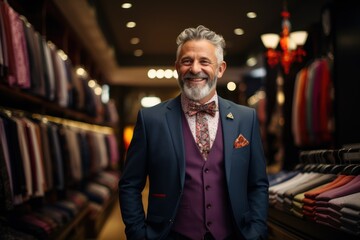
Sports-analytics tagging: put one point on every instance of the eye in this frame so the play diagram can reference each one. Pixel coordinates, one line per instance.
(205, 62)
(186, 62)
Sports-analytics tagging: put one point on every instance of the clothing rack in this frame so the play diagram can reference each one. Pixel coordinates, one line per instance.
(55, 149)
(62, 121)
(70, 178)
(345, 160)
(347, 155)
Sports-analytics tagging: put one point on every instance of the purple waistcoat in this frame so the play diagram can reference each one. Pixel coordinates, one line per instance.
(204, 205)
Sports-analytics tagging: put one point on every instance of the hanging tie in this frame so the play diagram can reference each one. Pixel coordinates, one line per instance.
(202, 129)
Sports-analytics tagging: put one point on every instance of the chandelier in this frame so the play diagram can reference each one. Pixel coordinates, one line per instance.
(291, 44)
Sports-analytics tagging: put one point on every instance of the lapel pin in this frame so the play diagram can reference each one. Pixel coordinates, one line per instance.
(230, 116)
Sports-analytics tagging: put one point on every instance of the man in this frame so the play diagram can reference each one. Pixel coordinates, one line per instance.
(197, 189)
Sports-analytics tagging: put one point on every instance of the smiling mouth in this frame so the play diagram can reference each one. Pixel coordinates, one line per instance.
(195, 79)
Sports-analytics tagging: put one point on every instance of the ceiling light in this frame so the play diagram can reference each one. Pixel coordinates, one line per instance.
(231, 86)
(92, 83)
(168, 73)
(160, 73)
(258, 73)
(270, 40)
(298, 37)
(251, 15)
(80, 71)
(239, 31)
(105, 95)
(134, 40)
(98, 90)
(130, 24)
(251, 62)
(126, 5)
(152, 73)
(175, 74)
(138, 52)
(150, 101)
(290, 43)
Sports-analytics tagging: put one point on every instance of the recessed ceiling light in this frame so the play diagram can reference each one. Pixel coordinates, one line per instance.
(251, 61)
(239, 31)
(138, 52)
(231, 86)
(130, 24)
(80, 71)
(92, 83)
(135, 40)
(126, 5)
(251, 15)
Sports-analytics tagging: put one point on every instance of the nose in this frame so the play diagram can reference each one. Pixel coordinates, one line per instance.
(195, 68)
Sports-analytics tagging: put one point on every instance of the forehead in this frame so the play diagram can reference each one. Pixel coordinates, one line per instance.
(203, 47)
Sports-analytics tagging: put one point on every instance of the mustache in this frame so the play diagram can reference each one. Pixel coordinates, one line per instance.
(190, 75)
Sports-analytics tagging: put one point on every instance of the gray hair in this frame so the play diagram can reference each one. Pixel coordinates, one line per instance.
(202, 33)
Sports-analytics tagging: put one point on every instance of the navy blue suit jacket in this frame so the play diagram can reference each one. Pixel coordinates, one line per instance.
(156, 153)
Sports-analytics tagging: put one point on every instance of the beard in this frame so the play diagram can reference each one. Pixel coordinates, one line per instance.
(194, 91)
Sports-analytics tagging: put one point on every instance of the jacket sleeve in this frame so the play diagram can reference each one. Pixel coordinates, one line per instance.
(132, 183)
(257, 184)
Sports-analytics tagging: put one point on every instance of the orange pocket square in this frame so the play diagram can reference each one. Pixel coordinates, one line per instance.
(240, 141)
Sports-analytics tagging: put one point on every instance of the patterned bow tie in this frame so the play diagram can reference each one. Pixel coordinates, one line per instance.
(209, 108)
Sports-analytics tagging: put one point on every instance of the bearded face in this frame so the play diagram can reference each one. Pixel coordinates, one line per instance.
(198, 69)
(189, 84)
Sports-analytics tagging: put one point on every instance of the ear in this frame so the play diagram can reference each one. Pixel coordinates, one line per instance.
(221, 69)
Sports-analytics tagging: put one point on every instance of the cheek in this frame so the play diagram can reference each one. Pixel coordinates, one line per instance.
(182, 70)
(211, 73)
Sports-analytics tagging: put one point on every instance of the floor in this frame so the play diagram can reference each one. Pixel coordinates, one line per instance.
(114, 228)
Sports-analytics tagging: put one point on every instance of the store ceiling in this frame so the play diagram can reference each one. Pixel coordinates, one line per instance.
(100, 25)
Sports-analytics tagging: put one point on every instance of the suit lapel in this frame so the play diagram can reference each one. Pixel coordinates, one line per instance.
(229, 127)
(174, 121)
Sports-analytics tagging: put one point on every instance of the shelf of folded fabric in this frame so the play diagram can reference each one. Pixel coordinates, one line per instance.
(76, 229)
(74, 215)
(283, 225)
(98, 216)
(103, 195)
(41, 219)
